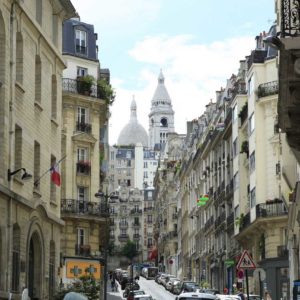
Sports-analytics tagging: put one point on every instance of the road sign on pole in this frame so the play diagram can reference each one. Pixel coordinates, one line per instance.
(246, 261)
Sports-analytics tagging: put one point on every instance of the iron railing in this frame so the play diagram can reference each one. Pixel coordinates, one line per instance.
(82, 207)
(271, 210)
(82, 250)
(83, 127)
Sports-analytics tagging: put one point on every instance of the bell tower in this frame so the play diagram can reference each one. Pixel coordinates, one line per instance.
(161, 117)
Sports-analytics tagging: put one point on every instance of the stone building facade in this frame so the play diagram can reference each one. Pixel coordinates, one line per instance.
(31, 68)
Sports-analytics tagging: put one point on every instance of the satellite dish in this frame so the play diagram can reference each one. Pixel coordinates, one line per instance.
(25, 294)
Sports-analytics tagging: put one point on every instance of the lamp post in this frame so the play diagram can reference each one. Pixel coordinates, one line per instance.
(104, 211)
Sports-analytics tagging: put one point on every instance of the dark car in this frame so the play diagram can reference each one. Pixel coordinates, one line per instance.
(131, 294)
(188, 286)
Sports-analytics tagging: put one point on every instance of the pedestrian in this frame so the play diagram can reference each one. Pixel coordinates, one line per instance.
(267, 296)
(241, 294)
(113, 284)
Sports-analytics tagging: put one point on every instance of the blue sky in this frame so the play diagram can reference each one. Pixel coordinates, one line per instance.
(197, 43)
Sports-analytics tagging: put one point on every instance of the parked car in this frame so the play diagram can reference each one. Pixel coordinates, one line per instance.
(188, 286)
(170, 283)
(167, 279)
(129, 287)
(254, 297)
(228, 297)
(157, 276)
(176, 288)
(143, 297)
(196, 295)
(209, 291)
(161, 278)
(131, 294)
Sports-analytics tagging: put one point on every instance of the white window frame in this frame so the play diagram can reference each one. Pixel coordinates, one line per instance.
(81, 37)
(82, 154)
(82, 71)
(81, 236)
(82, 115)
(82, 193)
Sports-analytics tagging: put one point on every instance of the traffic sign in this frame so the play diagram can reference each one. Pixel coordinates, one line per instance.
(240, 274)
(229, 262)
(246, 261)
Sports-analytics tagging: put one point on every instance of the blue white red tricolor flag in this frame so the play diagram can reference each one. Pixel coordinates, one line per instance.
(55, 176)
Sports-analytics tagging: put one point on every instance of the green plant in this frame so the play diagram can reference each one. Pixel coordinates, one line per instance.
(85, 285)
(239, 221)
(129, 250)
(105, 91)
(84, 84)
(204, 284)
(245, 147)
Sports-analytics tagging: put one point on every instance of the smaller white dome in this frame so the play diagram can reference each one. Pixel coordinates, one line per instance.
(133, 133)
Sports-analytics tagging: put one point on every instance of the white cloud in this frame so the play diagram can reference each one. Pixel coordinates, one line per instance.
(193, 73)
(116, 14)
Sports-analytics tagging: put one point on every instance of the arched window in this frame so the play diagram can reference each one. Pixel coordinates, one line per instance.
(19, 58)
(38, 79)
(163, 122)
(15, 276)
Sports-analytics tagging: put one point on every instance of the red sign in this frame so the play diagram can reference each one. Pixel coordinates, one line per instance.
(240, 274)
(246, 261)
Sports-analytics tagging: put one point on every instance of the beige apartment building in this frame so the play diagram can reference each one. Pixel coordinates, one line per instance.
(238, 158)
(31, 67)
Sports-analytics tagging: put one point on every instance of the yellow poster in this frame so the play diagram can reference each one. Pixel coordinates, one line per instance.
(77, 268)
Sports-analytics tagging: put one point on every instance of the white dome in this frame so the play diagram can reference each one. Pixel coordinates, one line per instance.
(133, 133)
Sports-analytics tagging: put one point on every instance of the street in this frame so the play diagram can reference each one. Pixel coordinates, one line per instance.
(157, 291)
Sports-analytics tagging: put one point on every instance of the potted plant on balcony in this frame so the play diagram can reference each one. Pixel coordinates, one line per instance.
(245, 148)
(84, 84)
(105, 91)
(239, 221)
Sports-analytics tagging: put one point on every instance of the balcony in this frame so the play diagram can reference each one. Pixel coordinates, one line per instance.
(245, 222)
(123, 225)
(136, 212)
(83, 127)
(230, 220)
(174, 216)
(268, 89)
(83, 208)
(82, 250)
(150, 208)
(209, 223)
(136, 236)
(123, 237)
(229, 189)
(136, 225)
(220, 219)
(270, 210)
(83, 167)
(75, 86)
(243, 114)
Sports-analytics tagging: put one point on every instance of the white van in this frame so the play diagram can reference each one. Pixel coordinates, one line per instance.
(195, 295)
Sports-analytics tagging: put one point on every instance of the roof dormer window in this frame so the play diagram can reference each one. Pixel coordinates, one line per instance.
(81, 42)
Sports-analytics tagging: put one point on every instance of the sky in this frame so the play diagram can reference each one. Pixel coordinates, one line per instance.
(196, 43)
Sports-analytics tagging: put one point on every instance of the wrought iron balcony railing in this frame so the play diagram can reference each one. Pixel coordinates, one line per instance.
(75, 86)
(136, 212)
(83, 127)
(282, 251)
(230, 219)
(82, 250)
(82, 207)
(136, 236)
(270, 210)
(83, 167)
(123, 237)
(123, 225)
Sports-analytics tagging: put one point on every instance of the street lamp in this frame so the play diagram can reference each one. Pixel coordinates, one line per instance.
(25, 176)
(104, 210)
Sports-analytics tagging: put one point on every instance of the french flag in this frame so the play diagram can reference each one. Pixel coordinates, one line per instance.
(55, 176)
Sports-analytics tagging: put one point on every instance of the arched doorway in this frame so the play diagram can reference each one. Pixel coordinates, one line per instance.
(35, 265)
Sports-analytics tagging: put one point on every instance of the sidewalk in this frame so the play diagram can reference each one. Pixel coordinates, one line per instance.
(115, 295)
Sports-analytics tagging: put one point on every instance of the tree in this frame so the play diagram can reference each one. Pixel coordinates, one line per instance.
(129, 250)
(86, 285)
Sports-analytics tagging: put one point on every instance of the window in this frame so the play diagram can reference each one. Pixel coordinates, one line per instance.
(82, 193)
(82, 115)
(236, 181)
(136, 221)
(80, 236)
(54, 97)
(81, 71)
(129, 163)
(18, 148)
(250, 85)
(234, 113)
(19, 58)
(149, 194)
(54, 29)
(128, 182)
(112, 155)
(128, 173)
(253, 197)
(128, 155)
(252, 162)
(37, 162)
(149, 242)
(145, 174)
(38, 78)
(81, 43)
(82, 154)
(234, 148)
(145, 164)
(149, 219)
(123, 231)
(251, 124)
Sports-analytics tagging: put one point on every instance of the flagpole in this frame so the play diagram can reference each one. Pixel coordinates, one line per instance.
(36, 183)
